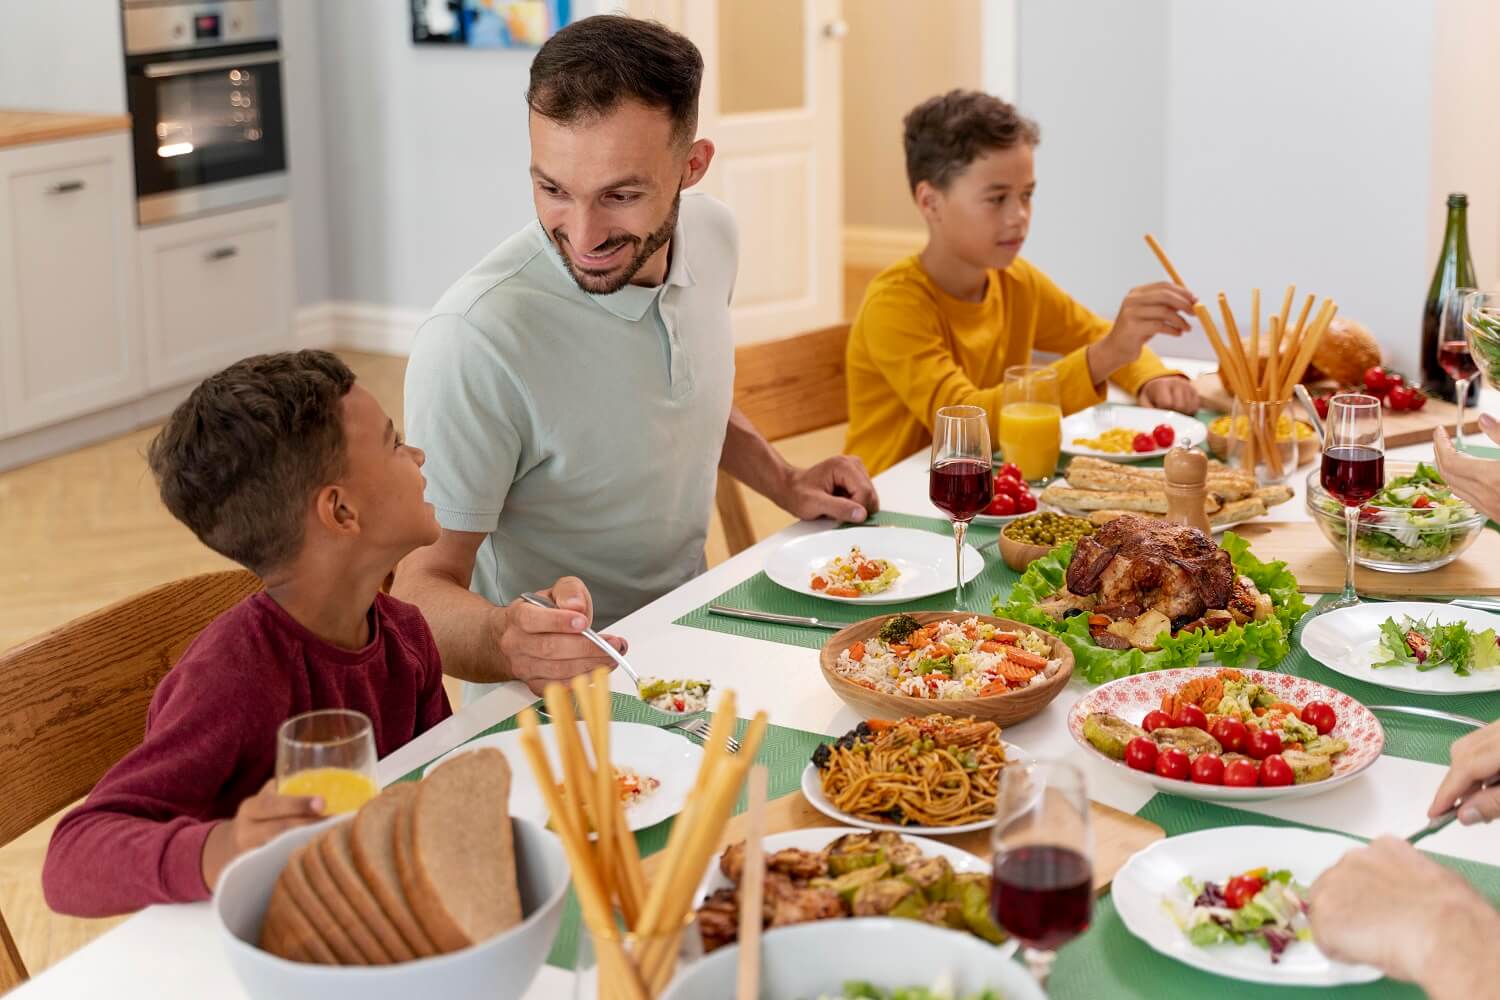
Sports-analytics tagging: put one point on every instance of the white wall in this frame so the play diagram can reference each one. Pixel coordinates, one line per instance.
(306, 138)
(62, 56)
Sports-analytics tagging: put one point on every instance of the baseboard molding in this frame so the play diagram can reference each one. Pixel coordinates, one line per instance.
(880, 246)
(91, 428)
(358, 326)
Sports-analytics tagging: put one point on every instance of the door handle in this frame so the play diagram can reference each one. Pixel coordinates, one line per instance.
(837, 29)
(221, 253)
(66, 187)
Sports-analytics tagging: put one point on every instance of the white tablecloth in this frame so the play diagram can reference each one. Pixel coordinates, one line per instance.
(169, 952)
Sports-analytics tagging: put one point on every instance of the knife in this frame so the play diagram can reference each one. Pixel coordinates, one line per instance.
(726, 611)
(1430, 713)
(1448, 817)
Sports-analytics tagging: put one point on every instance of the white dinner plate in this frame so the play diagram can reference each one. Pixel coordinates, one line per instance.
(650, 751)
(818, 837)
(1156, 873)
(1094, 421)
(1345, 641)
(812, 790)
(1130, 698)
(924, 558)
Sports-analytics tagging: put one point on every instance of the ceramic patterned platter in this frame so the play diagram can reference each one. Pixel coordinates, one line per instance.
(1132, 697)
(1090, 423)
(1346, 640)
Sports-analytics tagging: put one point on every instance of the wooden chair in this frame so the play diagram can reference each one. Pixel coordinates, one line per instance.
(786, 387)
(73, 701)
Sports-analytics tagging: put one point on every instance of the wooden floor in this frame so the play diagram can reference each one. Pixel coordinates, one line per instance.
(87, 528)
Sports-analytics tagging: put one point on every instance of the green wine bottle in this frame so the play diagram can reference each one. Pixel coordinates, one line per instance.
(1455, 269)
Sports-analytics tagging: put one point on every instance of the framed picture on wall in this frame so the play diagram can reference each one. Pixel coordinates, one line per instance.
(487, 24)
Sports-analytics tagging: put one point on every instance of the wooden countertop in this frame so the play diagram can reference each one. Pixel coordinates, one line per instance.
(20, 128)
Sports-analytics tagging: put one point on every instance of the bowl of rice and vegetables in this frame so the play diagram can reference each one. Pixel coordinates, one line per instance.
(990, 668)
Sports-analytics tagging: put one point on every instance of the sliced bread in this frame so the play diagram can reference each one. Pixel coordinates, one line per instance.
(456, 851)
(287, 932)
(338, 857)
(343, 912)
(316, 909)
(374, 845)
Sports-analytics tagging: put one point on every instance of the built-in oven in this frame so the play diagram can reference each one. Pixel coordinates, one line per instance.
(204, 87)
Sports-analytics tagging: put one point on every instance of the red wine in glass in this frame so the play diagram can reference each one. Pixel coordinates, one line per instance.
(1043, 895)
(1353, 474)
(1456, 360)
(961, 487)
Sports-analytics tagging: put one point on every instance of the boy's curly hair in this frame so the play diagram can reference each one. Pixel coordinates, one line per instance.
(945, 134)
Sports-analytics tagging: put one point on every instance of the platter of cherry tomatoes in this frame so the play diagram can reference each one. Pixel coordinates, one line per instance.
(1013, 498)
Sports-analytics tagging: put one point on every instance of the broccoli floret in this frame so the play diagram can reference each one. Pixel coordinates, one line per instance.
(899, 629)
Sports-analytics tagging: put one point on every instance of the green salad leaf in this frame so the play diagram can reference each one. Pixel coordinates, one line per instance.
(1435, 645)
(1266, 641)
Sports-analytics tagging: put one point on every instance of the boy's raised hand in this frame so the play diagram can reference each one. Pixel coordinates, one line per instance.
(260, 818)
(1161, 307)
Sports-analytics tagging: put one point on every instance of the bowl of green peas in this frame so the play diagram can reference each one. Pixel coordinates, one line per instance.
(1028, 538)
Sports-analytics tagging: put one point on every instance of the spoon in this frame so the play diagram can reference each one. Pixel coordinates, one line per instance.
(591, 636)
(1305, 398)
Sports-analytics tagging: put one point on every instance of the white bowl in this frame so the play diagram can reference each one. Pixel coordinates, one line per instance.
(810, 960)
(498, 969)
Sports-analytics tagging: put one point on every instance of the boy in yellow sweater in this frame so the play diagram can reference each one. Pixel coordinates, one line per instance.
(939, 329)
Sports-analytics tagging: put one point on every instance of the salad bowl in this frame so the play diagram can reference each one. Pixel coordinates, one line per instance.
(1413, 525)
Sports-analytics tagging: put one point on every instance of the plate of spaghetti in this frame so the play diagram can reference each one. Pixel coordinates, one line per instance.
(932, 774)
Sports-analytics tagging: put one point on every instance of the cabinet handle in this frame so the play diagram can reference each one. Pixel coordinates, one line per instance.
(222, 253)
(66, 187)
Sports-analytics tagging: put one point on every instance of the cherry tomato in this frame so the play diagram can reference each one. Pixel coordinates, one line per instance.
(1192, 715)
(1208, 769)
(1376, 382)
(1241, 889)
(1421, 502)
(1263, 743)
(1320, 716)
(1143, 442)
(1002, 505)
(1399, 398)
(1242, 774)
(1164, 435)
(1008, 486)
(1026, 503)
(1140, 753)
(1231, 734)
(1172, 763)
(1321, 405)
(1369, 512)
(1274, 770)
(1156, 720)
(1418, 399)
(1012, 470)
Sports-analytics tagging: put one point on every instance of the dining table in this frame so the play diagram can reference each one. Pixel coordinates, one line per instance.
(167, 952)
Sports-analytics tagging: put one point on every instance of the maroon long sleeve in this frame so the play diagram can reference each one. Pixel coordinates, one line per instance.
(211, 743)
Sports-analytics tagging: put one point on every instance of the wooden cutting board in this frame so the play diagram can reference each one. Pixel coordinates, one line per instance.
(1319, 567)
(1400, 428)
(1117, 835)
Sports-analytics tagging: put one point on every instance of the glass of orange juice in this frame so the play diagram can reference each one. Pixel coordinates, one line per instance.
(329, 753)
(1031, 421)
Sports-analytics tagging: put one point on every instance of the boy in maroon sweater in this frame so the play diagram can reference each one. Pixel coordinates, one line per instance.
(287, 466)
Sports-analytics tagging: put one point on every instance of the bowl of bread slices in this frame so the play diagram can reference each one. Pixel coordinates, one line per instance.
(1103, 491)
(431, 889)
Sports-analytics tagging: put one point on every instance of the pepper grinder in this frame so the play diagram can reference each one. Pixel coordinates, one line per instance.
(1187, 487)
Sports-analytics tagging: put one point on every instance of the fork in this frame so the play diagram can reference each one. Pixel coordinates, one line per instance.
(694, 728)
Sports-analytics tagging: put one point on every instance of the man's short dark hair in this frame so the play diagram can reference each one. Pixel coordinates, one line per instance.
(945, 134)
(240, 458)
(589, 67)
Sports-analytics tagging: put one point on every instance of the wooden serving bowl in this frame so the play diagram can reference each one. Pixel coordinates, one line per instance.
(1019, 555)
(1004, 709)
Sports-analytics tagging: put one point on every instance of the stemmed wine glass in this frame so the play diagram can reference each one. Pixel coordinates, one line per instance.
(1353, 470)
(1043, 886)
(960, 482)
(1453, 353)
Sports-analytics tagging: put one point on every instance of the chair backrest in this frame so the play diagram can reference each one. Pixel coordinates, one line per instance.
(74, 701)
(785, 387)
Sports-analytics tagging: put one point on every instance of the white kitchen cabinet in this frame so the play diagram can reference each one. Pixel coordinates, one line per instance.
(215, 290)
(69, 318)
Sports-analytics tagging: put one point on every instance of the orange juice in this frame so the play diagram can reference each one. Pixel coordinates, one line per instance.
(1031, 436)
(343, 790)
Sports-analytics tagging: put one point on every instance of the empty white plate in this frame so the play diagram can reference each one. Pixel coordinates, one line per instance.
(1345, 641)
(1094, 421)
(650, 752)
(1156, 873)
(924, 558)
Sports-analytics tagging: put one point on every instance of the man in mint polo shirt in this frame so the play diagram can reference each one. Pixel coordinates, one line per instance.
(574, 391)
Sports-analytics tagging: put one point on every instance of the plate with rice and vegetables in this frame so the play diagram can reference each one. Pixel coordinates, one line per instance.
(954, 662)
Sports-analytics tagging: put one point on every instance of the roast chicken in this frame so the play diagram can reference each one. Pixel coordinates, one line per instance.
(1133, 564)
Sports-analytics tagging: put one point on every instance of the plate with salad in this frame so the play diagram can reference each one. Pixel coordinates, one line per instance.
(1417, 646)
(870, 565)
(1233, 901)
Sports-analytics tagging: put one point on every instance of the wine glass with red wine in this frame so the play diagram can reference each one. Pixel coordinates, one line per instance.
(1453, 353)
(1353, 470)
(960, 482)
(1042, 890)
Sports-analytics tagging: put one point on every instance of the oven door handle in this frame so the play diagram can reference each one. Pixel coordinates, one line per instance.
(185, 66)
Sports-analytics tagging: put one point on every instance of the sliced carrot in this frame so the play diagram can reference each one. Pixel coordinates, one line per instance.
(900, 648)
(818, 583)
(880, 725)
(1260, 711)
(919, 640)
(994, 687)
(940, 650)
(1101, 621)
(842, 592)
(857, 652)
(1006, 638)
(1023, 658)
